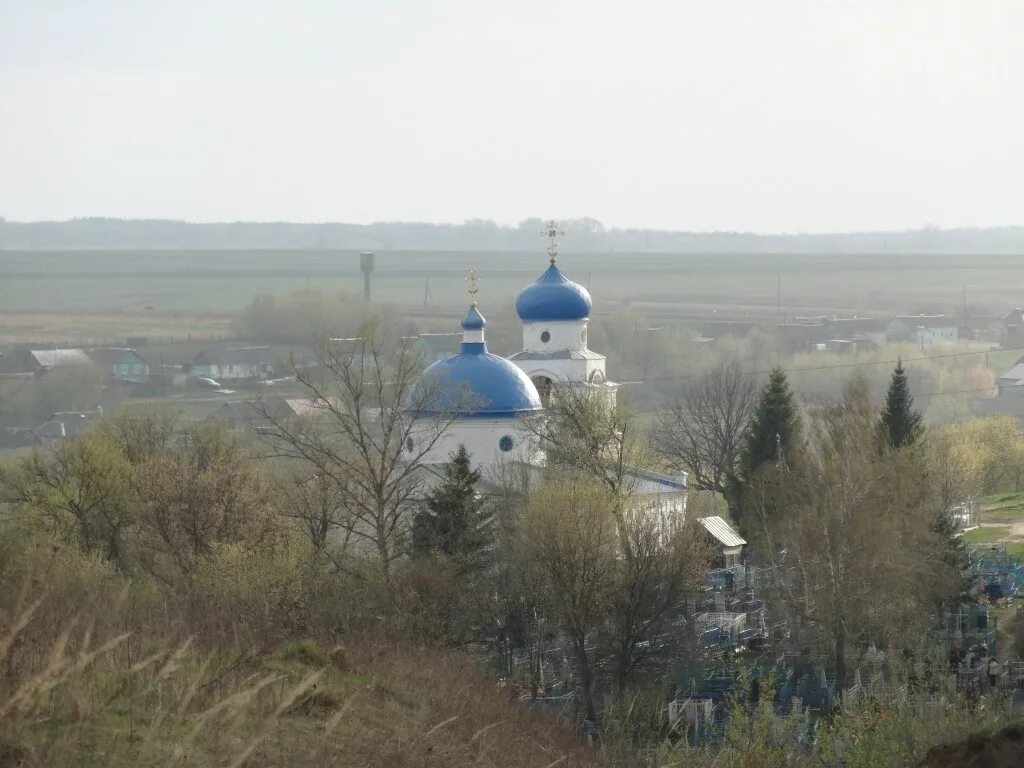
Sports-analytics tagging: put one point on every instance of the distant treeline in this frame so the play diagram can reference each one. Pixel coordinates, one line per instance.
(587, 235)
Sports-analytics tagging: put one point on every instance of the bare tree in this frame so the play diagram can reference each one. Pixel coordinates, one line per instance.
(207, 492)
(659, 557)
(651, 591)
(701, 431)
(582, 432)
(568, 538)
(317, 503)
(374, 416)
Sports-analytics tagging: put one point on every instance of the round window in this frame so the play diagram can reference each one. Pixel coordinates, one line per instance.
(545, 337)
(505, 443)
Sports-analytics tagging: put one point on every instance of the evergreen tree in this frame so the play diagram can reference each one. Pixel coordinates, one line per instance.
(454, 520)
(774, 435)
(900, 425)
(774, 427)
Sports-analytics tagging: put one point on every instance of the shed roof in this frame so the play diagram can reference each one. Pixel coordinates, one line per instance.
(721, 530)
(1014, 374)
(51, 358)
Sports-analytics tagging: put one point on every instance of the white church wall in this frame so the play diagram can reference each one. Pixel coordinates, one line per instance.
(561, 334)
(484, 439)
(561, 369)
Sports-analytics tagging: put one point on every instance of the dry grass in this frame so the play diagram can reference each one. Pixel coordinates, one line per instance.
(99, 689)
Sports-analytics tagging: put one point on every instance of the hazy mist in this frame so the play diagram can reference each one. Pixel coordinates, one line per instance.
(698, 116)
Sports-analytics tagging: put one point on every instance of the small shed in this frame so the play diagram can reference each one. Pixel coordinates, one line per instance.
(726, 540)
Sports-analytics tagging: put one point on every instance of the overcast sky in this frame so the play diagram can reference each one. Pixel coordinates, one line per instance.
(713, 115)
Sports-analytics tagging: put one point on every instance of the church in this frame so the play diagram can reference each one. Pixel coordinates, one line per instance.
(488, 398)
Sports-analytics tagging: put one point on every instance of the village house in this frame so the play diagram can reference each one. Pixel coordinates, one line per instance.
(261, 415)
(240, 364)
(827, 333)
(65, 425)
(14, 438)
(1012, 382)
(41, 361)
(122, 364)
(1013, 327)
(923, 331)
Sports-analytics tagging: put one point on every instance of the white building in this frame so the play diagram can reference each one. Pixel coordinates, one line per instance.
(484, 395)
(488, 398)
(555, 313)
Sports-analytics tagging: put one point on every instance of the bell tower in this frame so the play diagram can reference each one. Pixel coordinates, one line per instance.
(555, 313)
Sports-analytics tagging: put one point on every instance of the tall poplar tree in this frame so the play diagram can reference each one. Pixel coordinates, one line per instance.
(900, 424)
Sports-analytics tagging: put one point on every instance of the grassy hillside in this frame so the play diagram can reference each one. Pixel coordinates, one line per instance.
(77, 698)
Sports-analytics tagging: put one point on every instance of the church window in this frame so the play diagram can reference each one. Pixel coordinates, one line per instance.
(545, 337)
(506, 443)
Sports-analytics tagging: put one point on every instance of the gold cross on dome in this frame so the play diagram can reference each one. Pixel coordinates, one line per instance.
(473, 284)
(553, 233)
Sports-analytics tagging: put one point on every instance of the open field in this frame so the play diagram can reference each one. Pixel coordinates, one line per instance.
(101, 328)
(1002, 522)
(143, 283)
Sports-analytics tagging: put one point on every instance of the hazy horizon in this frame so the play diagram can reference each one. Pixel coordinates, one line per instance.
(791, 117)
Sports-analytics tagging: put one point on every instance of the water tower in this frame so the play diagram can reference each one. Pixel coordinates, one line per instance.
(366, 264)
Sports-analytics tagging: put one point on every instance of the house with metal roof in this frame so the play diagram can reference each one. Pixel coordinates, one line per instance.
(725, 539)
(65, 425)
(43, 360)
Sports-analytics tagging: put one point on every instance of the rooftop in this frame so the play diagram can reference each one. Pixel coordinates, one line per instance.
(719, 528)
(52, 358)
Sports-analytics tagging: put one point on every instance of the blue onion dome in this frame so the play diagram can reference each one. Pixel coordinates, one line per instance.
(473, 321)
(553, 297)
(474, 383)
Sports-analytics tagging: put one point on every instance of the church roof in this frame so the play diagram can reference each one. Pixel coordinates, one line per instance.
(561, 354)
(473, 321)
(475, 383)
(553, 297)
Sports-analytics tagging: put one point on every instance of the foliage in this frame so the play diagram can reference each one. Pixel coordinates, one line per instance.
(775, 426)
(568, 535)
(982, 456)
(100, 670)
(659, 556)
(298, 316)
(899, 424)
(773, 443)
(857, 524)
(455, 519)
(374, 420)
